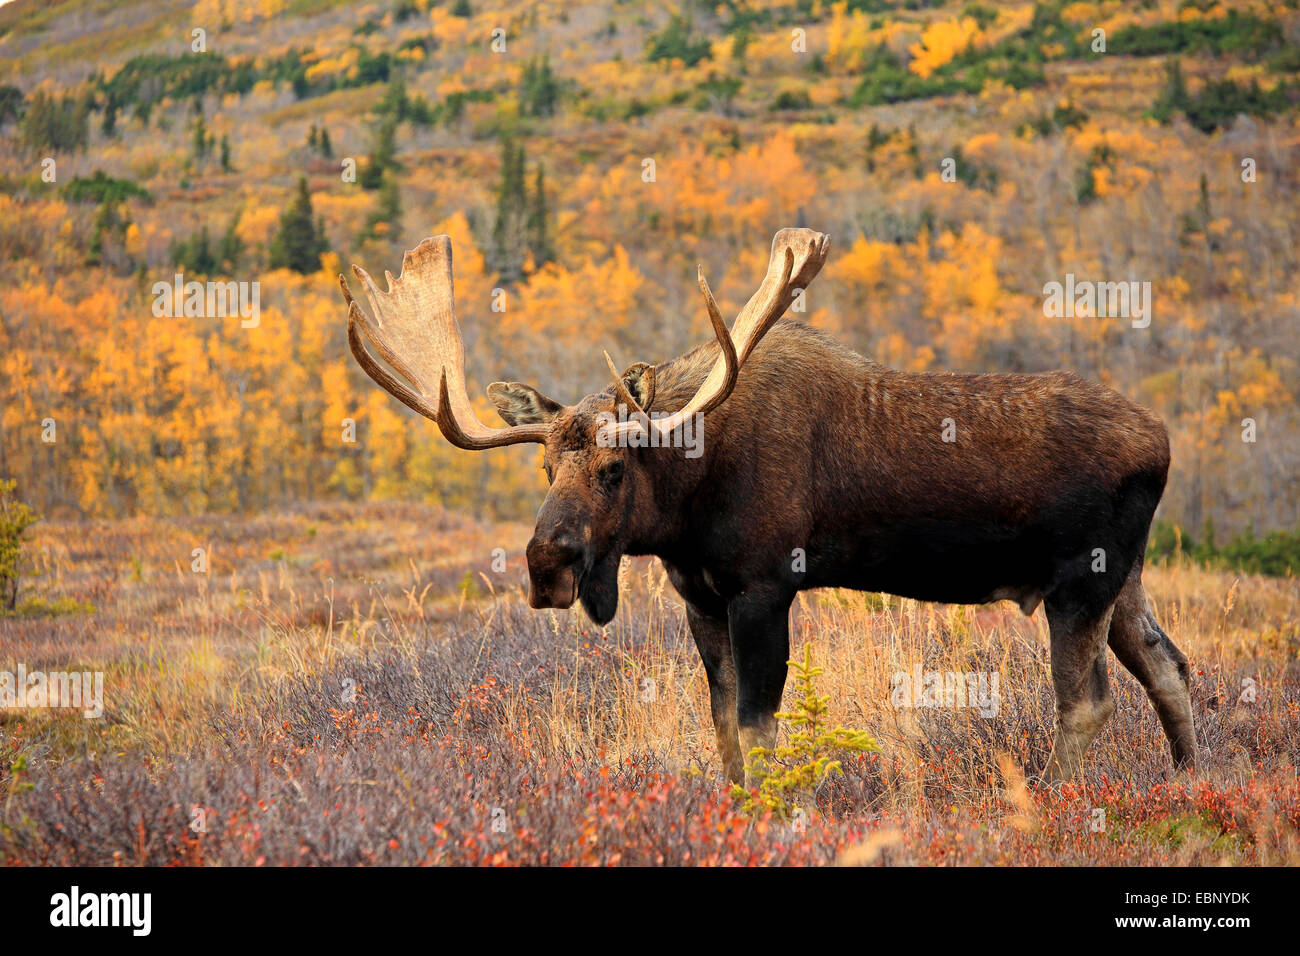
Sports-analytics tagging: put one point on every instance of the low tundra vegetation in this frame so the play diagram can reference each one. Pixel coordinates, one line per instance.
(362, 705)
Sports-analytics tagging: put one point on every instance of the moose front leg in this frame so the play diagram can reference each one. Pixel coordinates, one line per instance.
(714, 643)
(759, 622)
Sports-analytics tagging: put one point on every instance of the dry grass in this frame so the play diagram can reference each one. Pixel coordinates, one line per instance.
(230, 691)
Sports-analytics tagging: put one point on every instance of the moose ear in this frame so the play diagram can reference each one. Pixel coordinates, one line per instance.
(521, 404)
(640, 381)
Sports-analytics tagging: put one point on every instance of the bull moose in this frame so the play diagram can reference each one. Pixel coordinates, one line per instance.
(961, 488)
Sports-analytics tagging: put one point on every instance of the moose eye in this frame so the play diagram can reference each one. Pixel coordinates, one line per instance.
(612, 473)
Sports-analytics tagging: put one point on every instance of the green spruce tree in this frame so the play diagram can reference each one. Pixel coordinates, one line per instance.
(383, 154)
(301, 240)
(539, 236)
(509, 230)
(386, 218)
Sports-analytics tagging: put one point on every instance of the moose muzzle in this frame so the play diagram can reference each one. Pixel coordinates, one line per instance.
(553, 572)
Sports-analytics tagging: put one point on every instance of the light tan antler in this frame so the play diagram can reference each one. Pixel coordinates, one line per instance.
(797, 257)
(414, 330)
(724, 342)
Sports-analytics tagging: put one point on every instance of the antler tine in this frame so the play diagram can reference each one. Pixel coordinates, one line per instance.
(620, 389)
(772, 309)
(451, 429)
(725, 343)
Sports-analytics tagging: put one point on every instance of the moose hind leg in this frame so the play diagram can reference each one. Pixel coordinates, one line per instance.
(1083, 699)
(714, 643)
(1146, 651)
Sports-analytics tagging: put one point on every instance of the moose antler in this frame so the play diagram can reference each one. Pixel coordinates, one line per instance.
(414, 330)
(797, 257)
(724, 342)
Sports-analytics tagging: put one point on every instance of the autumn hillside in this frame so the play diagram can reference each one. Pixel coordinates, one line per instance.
(584, 157)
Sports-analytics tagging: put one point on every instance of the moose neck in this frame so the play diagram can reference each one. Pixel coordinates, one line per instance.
(658, 515)
(658, 518)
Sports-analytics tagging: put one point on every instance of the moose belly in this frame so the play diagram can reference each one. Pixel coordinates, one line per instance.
(956, 563)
